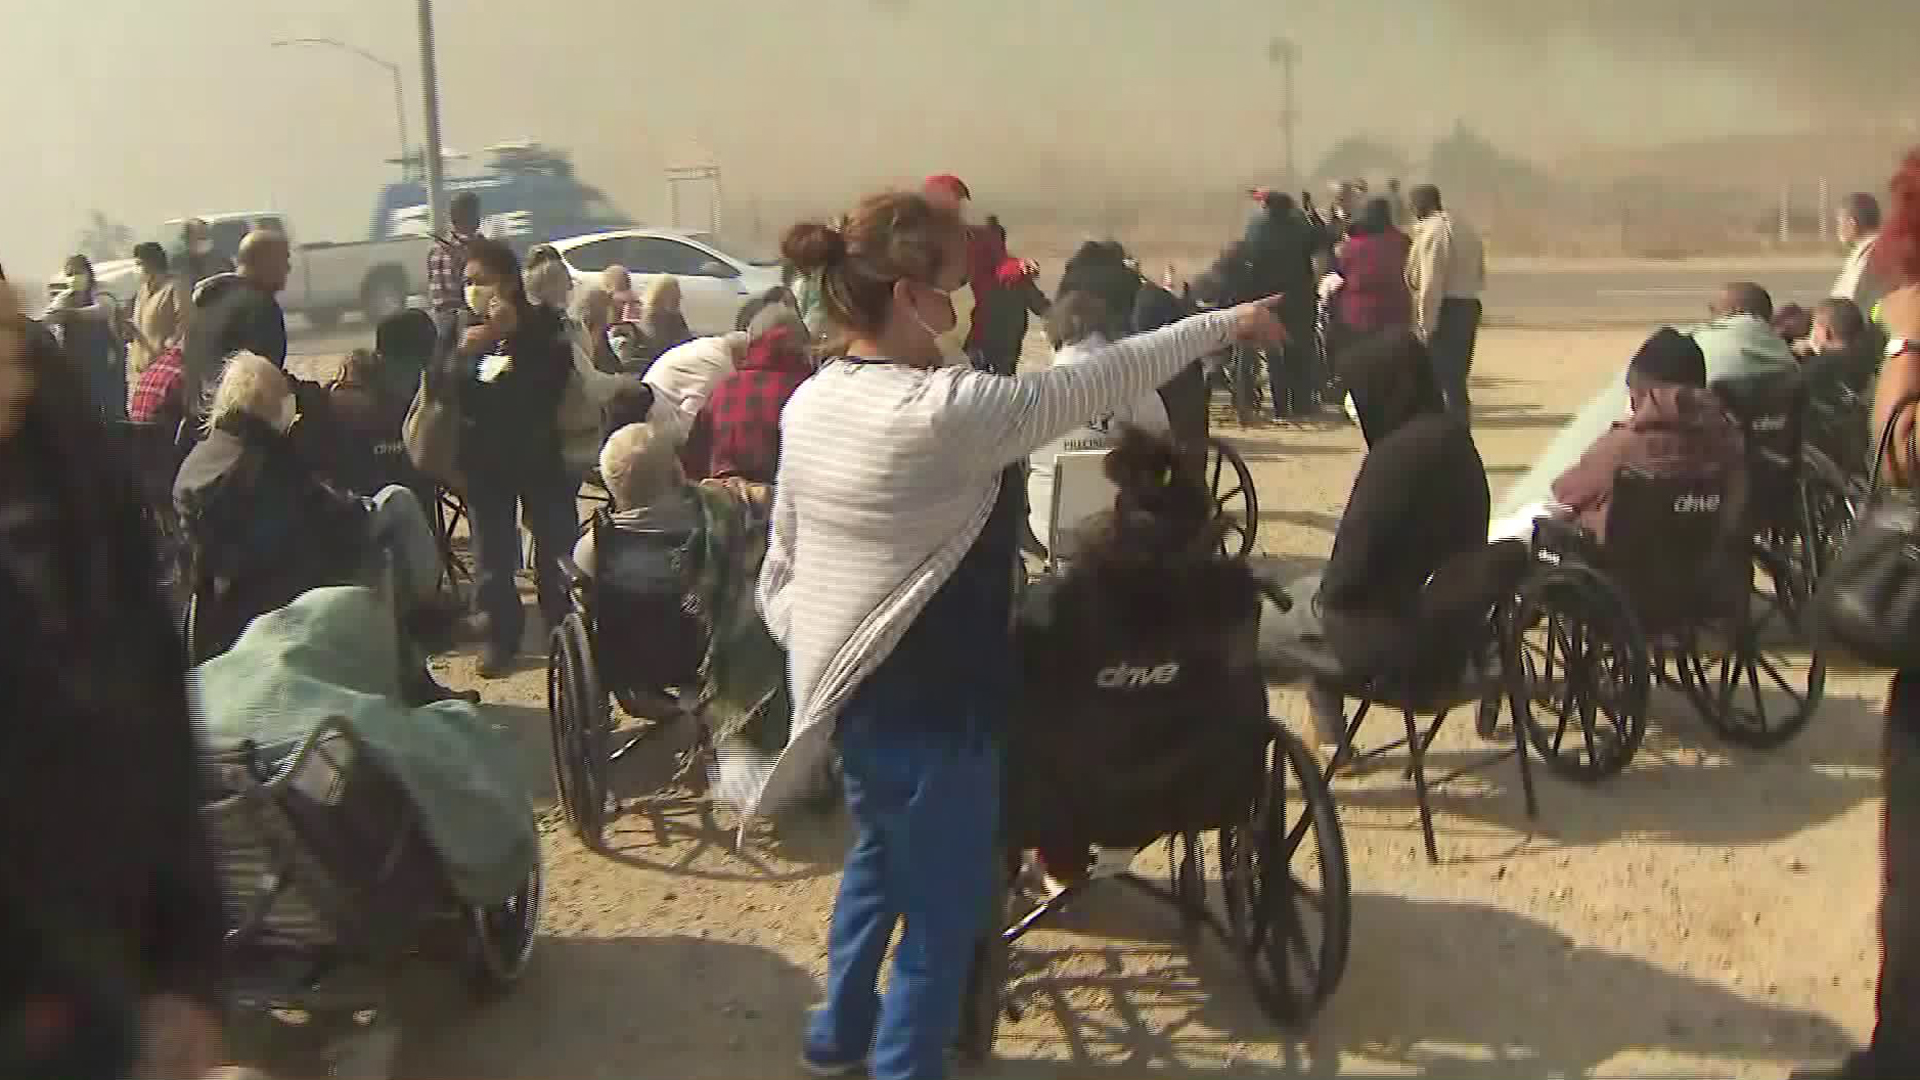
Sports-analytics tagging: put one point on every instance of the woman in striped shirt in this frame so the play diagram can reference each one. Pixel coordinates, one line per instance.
(888, 578)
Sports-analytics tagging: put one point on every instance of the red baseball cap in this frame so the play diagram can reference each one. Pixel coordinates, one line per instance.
(947, 182)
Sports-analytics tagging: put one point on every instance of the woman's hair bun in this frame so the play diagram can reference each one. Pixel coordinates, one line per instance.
(811, 245)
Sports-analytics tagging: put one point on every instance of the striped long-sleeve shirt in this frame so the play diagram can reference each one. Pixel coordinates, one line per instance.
(887, 474)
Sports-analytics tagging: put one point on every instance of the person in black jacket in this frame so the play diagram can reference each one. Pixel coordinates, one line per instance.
(1278, 249)
(511, 369)
(109, 905)
(237, 313)
(1419, 500)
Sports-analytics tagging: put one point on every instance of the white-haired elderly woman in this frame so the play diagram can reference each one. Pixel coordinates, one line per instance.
(660, 316)
(265, 527)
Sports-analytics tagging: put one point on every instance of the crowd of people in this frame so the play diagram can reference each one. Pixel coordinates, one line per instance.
(867, 458)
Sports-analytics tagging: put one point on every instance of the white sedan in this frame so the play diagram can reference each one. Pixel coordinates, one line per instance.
(714, 281)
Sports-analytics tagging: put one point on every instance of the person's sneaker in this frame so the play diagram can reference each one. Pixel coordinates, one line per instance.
(496, 662)
(822, 1067)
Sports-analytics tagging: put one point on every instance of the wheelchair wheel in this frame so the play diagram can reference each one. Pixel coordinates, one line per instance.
(579, 718)
(1235, 501)
(503, 935)
(1586, 666)
(1832, 501)
(1748, 691)
(1187, 873)
(1283, 879)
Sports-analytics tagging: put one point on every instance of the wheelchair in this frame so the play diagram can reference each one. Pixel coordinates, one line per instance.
(1235, 501)
(330, 884)
(1081, 490)
(1241, 797)
(1697, 622)
(636, 636)
(1480, 628)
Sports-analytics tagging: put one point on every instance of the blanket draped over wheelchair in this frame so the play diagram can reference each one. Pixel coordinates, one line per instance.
(331, 653)
(743, 675)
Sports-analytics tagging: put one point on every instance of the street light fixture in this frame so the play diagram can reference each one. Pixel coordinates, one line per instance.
(392, 69)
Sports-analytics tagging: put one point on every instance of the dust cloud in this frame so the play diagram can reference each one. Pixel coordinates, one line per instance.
(1132, 117)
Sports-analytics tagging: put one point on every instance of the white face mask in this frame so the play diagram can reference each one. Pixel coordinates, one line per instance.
(479, 298)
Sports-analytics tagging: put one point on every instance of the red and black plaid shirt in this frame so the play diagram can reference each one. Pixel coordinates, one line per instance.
(156, 394)
(744, 408)
(447, 273)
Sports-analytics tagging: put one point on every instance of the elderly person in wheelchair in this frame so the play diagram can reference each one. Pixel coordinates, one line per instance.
(264, 527)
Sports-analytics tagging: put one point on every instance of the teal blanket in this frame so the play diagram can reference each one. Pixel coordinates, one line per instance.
(331, 653)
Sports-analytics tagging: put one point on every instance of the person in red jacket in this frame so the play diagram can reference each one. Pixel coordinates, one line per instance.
(996, 279)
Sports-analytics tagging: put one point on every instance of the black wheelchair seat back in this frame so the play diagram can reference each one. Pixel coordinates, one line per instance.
(1120, 737)
(1771, 411)
(321, 853)
(650, 629)
(1667, 548)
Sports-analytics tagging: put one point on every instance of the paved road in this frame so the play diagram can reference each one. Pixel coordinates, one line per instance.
(1612, 296)
(1565, 295)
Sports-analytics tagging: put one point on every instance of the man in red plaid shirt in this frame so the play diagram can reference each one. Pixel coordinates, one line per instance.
(743, 412)
(156, 396)
(447, 263)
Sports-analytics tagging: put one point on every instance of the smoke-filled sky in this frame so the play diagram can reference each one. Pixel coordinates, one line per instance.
(148, 110)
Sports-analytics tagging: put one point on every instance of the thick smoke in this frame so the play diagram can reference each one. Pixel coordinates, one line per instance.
(1855, 55)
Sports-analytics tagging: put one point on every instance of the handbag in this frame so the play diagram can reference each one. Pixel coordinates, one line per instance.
(1868, 603)
(431, 430)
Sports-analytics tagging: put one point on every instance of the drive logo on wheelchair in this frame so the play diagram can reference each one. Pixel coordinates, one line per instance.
(1696, 504)
(1129, 677)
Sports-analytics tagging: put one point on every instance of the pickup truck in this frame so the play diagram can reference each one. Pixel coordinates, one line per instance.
(373, 277)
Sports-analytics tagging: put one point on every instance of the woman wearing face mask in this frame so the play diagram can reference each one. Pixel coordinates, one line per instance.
(198, 260)
(512, 368)
(86, 324)
(889, 580)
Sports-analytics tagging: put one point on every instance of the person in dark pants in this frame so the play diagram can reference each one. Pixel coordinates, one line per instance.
(511, 368)
(1446, 272)
(1895, 1049)
(1279, 246)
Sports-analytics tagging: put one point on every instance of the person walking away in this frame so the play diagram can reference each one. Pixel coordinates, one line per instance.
(889, 579)
(1000, 321)
(1739, 343)
(742, 414)
(512, 368)
(1279, 245)
(109, 904)
(661, 320)
(1372, 263)
(446, 285)
(1894, 1051)
(238, 312)
(159, 309)
(198, 260)
(1857, 224)
(86, 324)
(1446, 273)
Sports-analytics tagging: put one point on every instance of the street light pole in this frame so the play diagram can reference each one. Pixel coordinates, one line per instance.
(430, 97)
(392, 69)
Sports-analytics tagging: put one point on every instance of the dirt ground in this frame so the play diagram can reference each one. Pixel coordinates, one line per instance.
(1710, 912)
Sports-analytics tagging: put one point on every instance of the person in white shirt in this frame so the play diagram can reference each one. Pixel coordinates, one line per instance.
(1857, 224)
(1078, 326)
(684, 376)
(1446, 272)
